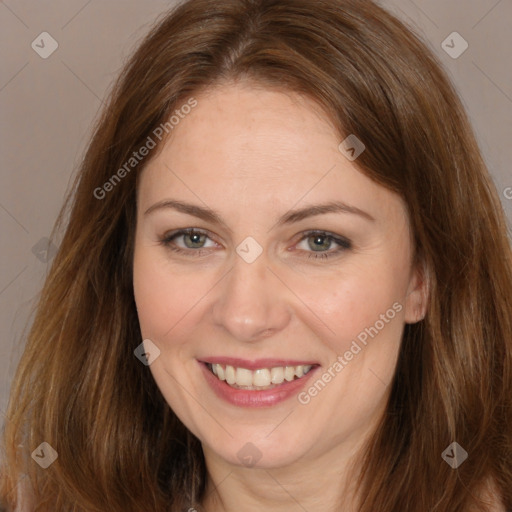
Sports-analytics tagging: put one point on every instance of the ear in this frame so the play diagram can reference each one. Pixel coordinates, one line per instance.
(418, 293)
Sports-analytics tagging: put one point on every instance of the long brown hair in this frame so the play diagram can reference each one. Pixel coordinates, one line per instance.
(79, 387)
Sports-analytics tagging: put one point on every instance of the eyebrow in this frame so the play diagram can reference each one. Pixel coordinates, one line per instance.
(290, 217)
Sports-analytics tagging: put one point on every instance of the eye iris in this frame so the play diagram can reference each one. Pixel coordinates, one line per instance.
(319, 242)
(195, 238)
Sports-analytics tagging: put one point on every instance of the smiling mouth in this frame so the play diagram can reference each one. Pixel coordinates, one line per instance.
(260, 379)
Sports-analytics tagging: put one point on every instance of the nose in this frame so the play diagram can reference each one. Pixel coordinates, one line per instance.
(251, 302)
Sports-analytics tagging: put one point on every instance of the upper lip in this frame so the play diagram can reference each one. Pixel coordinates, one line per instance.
(255, 364)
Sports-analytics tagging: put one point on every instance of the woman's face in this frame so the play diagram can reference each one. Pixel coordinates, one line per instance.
(270, 283)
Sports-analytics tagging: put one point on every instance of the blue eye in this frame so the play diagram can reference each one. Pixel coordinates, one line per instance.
(191, 236)
(194, 240)
(321, 239)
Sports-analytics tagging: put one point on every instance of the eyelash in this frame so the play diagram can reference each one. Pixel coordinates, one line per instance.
(343, 243)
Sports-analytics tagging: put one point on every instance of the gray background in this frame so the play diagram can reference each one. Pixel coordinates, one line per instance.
(48, 106)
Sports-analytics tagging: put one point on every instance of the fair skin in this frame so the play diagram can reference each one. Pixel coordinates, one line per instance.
(252, 155)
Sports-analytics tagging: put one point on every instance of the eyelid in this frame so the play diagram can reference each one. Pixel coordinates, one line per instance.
(167, 238)
(344, 244)
(339, 239)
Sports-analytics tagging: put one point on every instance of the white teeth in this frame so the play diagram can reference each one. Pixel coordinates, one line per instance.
(230, 375)
(243, 377)
(277, 375)
(262, 378)
(289, 373)
(220, 371)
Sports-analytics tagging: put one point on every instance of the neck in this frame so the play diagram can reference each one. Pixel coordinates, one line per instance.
(325, 482)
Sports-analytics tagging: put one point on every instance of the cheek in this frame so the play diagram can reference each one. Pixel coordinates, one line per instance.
(150, 295)
(163, 297)
(354, 301)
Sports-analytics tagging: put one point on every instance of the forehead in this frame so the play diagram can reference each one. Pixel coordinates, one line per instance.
(245, 126)
(257, 147)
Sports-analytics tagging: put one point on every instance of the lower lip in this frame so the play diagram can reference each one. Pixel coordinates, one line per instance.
(253, 398)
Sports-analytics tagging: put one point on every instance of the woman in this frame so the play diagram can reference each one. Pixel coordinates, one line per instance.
(193, 350)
